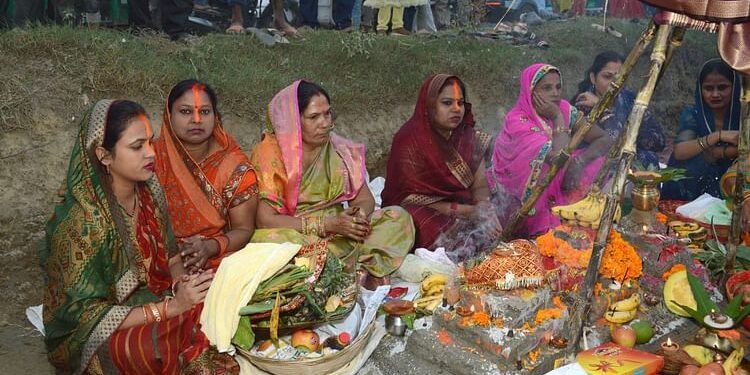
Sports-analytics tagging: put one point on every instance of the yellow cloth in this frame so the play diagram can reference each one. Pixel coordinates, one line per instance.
(396, 18)
(234, 284)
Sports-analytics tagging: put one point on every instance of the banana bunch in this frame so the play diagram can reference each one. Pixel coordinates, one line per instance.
(623, 311)
(432, 292)
(693, 231)
(733, 361)
(586, 212)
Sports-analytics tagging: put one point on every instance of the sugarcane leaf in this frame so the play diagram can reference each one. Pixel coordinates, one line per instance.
(257, 308)
(745, 311)
(314, 305)
(274, 329)
(734, 306)
(693, 313)
(703, 300)
(244, 337)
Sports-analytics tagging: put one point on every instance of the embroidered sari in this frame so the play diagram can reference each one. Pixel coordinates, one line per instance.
(425, 168)
(698, 121)
(99, 264)
(200, 195)
(336, 176)
(518, 160)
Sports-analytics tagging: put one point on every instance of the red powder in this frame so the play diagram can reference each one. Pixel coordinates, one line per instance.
(444, 337)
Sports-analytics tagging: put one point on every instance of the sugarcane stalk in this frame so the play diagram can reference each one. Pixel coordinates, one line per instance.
(743, 152)
(627, 154)
(582, 126)
(675, 41)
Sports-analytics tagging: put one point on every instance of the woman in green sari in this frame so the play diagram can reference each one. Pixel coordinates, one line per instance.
(307, 173)
(111, 305)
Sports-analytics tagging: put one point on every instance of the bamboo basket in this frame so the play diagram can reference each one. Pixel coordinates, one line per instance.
(314, 366)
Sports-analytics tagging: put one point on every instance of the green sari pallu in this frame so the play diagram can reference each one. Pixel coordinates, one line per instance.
(336, 176)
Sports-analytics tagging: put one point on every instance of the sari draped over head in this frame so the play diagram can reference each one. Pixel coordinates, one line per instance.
(95, 261)
(698, 121)
(651, 139)
(337, 175)
(200, 194)
(518, 159)
(425, 168)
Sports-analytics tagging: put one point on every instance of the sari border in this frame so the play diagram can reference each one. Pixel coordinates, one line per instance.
(420, 200)
(101, 334)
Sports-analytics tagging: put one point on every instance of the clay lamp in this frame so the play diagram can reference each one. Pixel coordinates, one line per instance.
(669, 346)
(465, 311)
(398, 307)
(717, 320)
(558, 342)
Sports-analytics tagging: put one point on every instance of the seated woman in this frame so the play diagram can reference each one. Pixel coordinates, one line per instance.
(706, 142)
(651, 139)
(306, 173)
(210, 185)
(535, 131)
(436, 170)
(110, 257)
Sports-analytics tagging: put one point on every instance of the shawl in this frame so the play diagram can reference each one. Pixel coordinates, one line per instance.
(93, 259)
(278, 158)
(424, 167)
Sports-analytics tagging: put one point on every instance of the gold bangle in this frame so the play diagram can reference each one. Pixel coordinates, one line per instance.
(146, 320)
(701, 144)
(155, 311)
(166, 308)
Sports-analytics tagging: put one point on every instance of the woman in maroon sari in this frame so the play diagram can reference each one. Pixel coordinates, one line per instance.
(436, 169)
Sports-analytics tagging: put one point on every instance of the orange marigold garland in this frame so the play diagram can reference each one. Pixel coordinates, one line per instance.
(620, 260)
(543, 315)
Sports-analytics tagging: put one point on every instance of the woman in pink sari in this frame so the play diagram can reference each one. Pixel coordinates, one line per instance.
(535, 131)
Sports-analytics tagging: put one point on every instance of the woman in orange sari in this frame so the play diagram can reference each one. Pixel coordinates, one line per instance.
(210, 186)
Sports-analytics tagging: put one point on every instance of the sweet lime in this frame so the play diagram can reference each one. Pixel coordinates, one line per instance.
(643, 331)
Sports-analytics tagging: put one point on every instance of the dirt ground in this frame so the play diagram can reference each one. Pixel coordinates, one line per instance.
(35, 145)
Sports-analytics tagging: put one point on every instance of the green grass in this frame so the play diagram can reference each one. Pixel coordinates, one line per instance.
(369, 77)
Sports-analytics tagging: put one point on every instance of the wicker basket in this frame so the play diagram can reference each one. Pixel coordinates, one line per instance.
(314, 366)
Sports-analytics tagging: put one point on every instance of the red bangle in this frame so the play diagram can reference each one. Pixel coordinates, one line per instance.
(454, 208)
(223, 242)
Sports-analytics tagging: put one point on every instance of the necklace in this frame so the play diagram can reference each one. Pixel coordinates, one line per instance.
(130, 212)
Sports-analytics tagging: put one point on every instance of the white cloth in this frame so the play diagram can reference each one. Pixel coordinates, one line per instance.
(34, 315)
(438, 256)
(703, 205)
(235, 283)
(376, 188)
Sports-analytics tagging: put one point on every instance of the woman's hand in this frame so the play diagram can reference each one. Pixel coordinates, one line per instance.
(192, 289)
(730, 136)
(586, 100)
(546, 108)
(573, 174)
(350, 223)
(485, 213)
(196, 251)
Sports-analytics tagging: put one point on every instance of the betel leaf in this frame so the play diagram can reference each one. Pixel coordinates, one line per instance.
(409, 320)
(244, 337)
(702, 299)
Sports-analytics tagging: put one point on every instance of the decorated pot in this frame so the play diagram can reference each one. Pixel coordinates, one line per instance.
(645, 197)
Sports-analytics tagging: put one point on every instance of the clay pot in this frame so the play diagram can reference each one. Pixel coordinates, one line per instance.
(733, 284)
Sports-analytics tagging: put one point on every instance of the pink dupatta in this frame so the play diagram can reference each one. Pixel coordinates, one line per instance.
(278, 157)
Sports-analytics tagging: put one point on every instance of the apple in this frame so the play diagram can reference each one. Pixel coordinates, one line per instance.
(305, 340)
(624, 336)
(689, 370)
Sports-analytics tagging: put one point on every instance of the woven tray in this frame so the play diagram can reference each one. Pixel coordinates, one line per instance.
(315, 366)
(669, 207)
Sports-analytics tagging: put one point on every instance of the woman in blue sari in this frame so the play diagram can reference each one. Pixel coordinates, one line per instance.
(706, 142)
(651, 139)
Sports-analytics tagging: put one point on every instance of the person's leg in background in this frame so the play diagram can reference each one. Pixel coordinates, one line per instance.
(237, 23)
(279, 19)
(27, 11)
(409, 16)
(342, 13)
(397, 22)
(174, 17)
(384, 16)
(368, 18)
(357, 15)
(139, 14)
(309, 11)
(4, 22)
